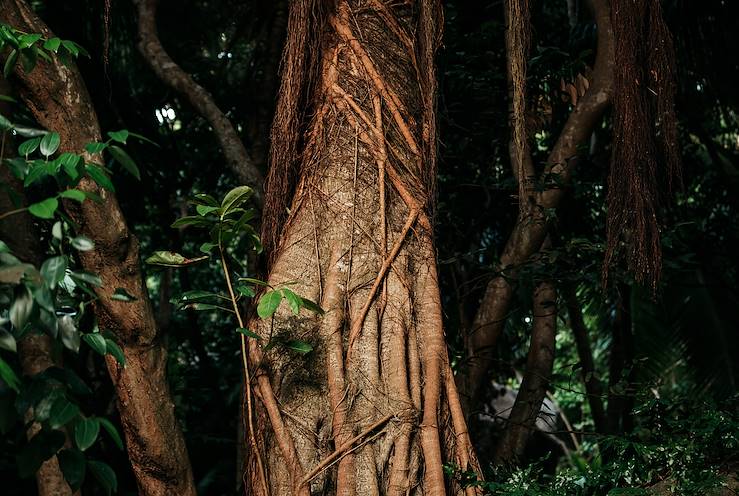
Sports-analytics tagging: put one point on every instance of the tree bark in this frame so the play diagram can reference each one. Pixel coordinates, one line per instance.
(373, 409)
(593, 388)
(237, 157)
(58, 99)
(34, 350)
(521, 422)
(531, 227)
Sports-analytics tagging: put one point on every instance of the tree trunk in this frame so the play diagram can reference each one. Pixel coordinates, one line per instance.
(34, 350)
(58, 99)
(531, 227)
(373, 409)
(522, 421)
(593, 388)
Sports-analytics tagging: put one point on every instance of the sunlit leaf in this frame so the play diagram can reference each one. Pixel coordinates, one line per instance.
(96, 341)
(49, 144)
(172, 259)
(268, 304)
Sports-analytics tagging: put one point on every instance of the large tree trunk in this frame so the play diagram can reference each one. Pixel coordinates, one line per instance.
(531, 227)
(58, 99)
(376, 395)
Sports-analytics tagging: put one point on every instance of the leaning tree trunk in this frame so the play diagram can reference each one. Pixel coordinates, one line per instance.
(373, 409)
(58, 99)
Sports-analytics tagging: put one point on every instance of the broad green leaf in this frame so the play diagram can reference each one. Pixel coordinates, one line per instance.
(247, 332)
(86, 431)
(62, 412)
(96, 341)
(234, 199)
(120, 294)
(72, 463)
(28, 57)
(245, 290)
(8, 375)
(119, 136)
(204, 210)
(69, 333)
(268, 304)
(57, 231)
(71, 47)
(82, 243)
(207, 247)
(116, 351)
(73, 194)
(112, 431)
(70, 162)
(203, 199)
(95, 147)
(172, 259)
(26, 40)
(312, 306)
(196, 294)
(53, 270)
(86, 277)
(29, 132)
(52, 44)
(49, 144)
(192, 220)
(44, 209)
(300, 346)
(104, 475)
(100, 177)
(293, 300)
(123, 158)
(39, 449)
(7, 341)
(20, 309)
(29, 146)
(35, 173)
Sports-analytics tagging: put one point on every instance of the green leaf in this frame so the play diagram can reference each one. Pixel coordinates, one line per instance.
(8, 375)
(204, 210)
(29, 132)
(120, 294)
(268, 304)
(293, 300)
(112, 431)
(247, 332)
(72, 464)
(119, 136)
(116, 351)
(96, 341)
(300, 346)
(86, 431)
(123, 158)
(53, 270)
(195, 295)
(251, 280)
(62, 412)
(71, 47)
(95, 147)
(203, 199)
(105, 476)
(73, 194)
(69, 333)
(29, 146)
(10, 63)
(26, 40)
(35, 173)
(20, 309)
(100, 177)
(5, 123)
(312, 306)
(7, 341)
(39, 449)
(49, 144)
(82, 243)
(192, 220)
(245, 290)
(206, 306)
(234, 199)
(86, 277)
(172, 259)
(52, 44)
(207, 247)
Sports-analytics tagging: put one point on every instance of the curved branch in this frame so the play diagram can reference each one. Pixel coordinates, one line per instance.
(531, 226)
(166, 69)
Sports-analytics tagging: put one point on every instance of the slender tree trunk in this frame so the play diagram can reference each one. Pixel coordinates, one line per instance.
(522, 421)
(237, 157)
(593, 387)
(531, 227)
(58, 99)
(373, 409)
(34, 350)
